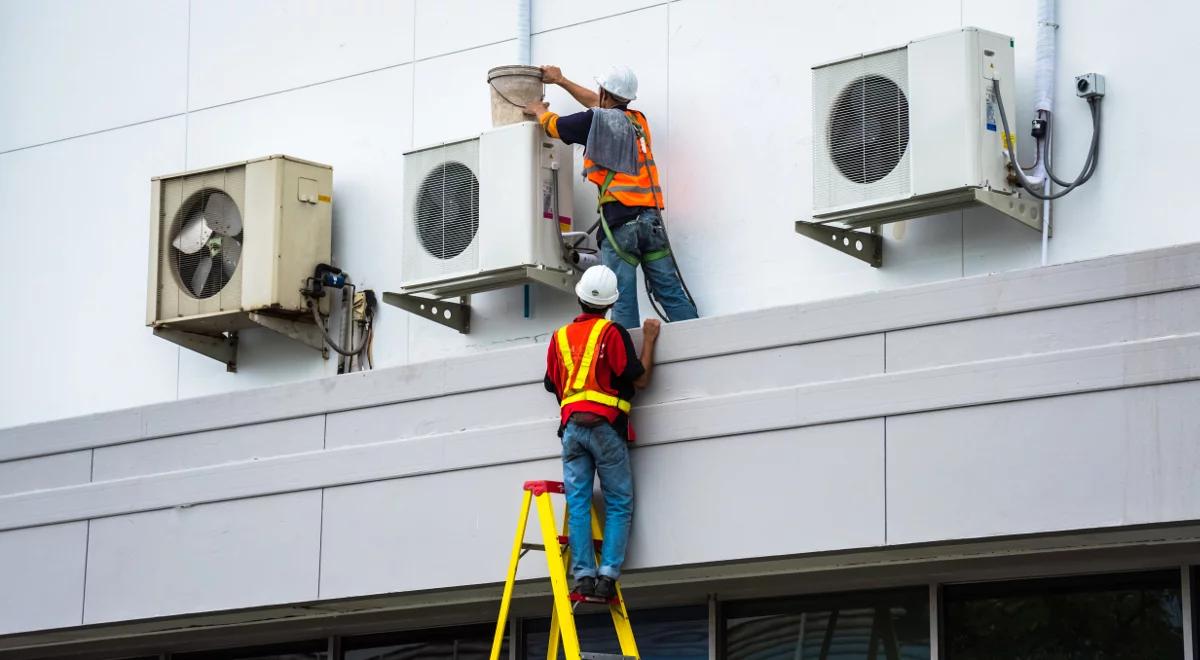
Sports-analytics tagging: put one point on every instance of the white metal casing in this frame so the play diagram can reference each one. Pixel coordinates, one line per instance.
(286, 210)
(513, 167)
(955, 137)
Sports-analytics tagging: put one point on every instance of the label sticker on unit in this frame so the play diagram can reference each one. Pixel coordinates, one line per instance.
(991, 111)
(1005, 138)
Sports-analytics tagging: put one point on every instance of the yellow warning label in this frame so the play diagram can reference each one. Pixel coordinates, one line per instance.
(324, 198)
(1006, 137)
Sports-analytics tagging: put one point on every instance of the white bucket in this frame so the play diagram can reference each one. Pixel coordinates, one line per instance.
(513, 87)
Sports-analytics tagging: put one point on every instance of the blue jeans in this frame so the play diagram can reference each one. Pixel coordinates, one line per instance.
(587, 451)
(643, 235)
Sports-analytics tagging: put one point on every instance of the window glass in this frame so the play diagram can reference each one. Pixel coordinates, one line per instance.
(474, 643)
(1133, 616)
(312, 650)
(889, 625)
(1195, 611)
(679, 633)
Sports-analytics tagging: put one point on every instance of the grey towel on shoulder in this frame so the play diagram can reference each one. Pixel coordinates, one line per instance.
(612, 141)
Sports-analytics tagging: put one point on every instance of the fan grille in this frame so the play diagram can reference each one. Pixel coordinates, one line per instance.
(205, 243)
(861, 153)
(447, 210)
(868, 129)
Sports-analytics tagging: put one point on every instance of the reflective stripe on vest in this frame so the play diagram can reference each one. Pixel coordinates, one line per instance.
(575, 384)
(631, 190)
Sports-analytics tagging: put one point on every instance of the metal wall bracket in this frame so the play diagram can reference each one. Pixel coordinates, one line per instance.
(864, 246)
(555, 279)
(300, 330)
(1025, 210)
(450, 314)
(222, 348)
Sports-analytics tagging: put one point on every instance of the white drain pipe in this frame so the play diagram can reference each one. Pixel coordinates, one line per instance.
(524, 56)
(1045, 61)
(523, 29)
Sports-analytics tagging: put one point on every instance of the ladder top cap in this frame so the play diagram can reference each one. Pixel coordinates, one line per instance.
(543, 487)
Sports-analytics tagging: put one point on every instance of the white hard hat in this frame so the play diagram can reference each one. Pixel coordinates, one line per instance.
(620, 81)
(598, 286)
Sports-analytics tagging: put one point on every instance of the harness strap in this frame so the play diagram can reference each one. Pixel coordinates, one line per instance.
(605, 197)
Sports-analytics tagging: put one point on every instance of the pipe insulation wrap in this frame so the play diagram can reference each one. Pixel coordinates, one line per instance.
(523, 29)
(1045, 56)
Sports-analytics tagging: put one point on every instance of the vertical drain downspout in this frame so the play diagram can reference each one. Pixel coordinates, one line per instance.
(523, 57)
(1045, 60)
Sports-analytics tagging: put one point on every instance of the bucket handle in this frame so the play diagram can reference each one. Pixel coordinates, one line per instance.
(510, 101)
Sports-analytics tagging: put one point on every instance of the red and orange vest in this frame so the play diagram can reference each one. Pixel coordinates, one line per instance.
(579, 346)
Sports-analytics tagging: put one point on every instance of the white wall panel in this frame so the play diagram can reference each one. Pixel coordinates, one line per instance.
(194, 450)
(1124, 457)
(41, 570)
(423, 532)
(444, 26)
(552, 15)
(76, 219)
(691, 379)
(1045, 331)
(244, 49)
(472, 410)
(1140, 53)
(740, 90)
(45, 472)
(217, 556)
(451, 97)
(360, 126)
(69, 68)
(801, 490)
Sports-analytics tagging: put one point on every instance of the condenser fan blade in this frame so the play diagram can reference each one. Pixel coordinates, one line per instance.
(221, 215)
(201, 275)
(193, 236)
(231, 252)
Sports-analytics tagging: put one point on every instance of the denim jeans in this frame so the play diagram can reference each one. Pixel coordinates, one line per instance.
(587, 451)
(639, 236)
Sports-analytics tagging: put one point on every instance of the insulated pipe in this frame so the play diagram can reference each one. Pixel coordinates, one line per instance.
(1045, 61)
(524, 57)
(523, 28)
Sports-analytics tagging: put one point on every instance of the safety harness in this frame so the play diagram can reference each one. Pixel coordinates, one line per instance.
(605, 197)
(575, 387)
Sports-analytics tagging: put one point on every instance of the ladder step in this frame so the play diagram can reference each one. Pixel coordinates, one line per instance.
(564, 540)
(584, 655)
(580, 598)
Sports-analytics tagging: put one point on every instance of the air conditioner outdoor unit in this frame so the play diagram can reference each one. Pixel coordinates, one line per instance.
(231, 247)
(481, 214)
(913, 131)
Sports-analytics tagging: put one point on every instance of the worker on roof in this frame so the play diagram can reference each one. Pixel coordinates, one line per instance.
(619, 159)
(593, 370)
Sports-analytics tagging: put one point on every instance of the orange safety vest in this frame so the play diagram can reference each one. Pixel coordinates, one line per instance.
(630, 190)
(577, 346)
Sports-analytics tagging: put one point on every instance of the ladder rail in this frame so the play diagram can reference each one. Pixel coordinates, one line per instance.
(563, 629)
(511, 577)
(558, 577)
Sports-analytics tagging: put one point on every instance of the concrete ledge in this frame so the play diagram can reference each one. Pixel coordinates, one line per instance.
(1108, 278)
(1132, 364)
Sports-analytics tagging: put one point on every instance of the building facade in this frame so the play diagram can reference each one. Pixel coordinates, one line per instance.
(963, 454)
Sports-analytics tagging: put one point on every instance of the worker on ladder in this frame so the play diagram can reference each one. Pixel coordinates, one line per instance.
(619, 159)
(593, 370)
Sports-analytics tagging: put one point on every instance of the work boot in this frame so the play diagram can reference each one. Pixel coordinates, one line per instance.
(606, 588)
(585, 586)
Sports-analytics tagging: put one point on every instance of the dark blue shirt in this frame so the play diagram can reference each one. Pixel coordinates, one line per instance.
(574, 129)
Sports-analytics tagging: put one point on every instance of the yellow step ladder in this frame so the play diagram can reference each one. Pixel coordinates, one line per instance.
(562, 618)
